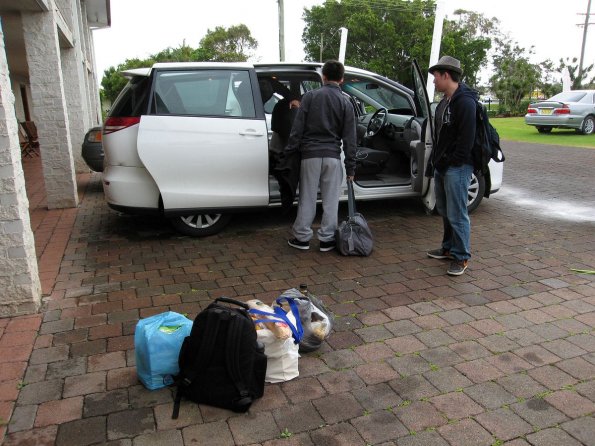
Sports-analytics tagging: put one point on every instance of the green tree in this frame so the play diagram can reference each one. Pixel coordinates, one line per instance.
(514, 75)
(469, 38)
(230, 45)
(234, 44)
(113, 82)
(386, 36)
(572, 66)
(184, 53)
(549, 83)
(383, 36)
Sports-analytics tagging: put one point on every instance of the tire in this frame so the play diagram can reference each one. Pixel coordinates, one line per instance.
(542, 129)
(588, 125)
(476, 191)
(200, 225)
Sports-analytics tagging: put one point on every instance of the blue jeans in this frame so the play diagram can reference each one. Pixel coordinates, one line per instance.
(452, 188)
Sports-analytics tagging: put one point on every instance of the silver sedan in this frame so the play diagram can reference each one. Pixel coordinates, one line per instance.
(569, 109)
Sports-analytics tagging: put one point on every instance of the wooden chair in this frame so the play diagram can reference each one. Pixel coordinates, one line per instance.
(26, 149)
(30, 130)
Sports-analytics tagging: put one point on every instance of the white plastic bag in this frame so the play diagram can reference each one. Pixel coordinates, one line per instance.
(316, 320)
(282, 354)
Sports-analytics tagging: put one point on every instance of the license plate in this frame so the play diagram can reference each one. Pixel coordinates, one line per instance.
(546, 111)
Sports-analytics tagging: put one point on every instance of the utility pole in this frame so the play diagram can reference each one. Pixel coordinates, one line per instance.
(586, 25)
(282, 31)
(436, 40)
(343, 45)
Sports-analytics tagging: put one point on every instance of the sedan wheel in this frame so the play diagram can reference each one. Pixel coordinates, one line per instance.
(544, 129)
(200, 225)
(588, 126)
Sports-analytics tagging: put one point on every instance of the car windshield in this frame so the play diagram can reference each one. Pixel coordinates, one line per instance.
(375, 95)
(568, 96)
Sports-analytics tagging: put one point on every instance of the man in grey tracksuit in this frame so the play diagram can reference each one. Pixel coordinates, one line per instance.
(325, 119)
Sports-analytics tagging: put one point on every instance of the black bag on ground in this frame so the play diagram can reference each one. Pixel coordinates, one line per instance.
(353, 236)
(221, 363)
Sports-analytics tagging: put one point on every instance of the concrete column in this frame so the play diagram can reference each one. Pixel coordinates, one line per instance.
(19, 276)
(49, 102)
(75, 85)
(92, 75)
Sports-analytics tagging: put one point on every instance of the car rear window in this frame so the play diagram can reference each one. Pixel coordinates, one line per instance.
(569, 96)
(132, 101)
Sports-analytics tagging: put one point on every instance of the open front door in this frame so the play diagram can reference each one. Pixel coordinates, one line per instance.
(424, 147)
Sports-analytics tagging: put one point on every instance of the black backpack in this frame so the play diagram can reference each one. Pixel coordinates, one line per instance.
(221, 363)
(487, 143)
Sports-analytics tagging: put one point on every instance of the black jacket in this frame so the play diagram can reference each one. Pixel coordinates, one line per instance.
(324, 120)
(455, 123)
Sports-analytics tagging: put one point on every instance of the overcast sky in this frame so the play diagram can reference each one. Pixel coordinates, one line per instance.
(143, 27)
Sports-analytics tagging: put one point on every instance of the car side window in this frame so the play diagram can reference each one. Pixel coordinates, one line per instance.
(203, 93)
(586, 99)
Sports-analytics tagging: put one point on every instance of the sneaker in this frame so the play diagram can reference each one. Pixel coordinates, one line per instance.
(457, 267)
(327, 246)
(439, 253)
(295, 243)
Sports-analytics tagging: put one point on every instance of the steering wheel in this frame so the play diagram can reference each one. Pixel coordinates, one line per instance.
(377, 122)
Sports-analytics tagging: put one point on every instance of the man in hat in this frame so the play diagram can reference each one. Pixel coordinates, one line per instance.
(452, 162)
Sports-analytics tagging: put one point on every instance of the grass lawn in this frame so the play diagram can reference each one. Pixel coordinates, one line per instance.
(515, 129)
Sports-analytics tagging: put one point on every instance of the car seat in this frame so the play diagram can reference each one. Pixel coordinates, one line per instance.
(245, 99)
(370, 161)
(266, 89)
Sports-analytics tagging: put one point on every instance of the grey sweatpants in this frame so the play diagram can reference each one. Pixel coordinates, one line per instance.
(326, 173)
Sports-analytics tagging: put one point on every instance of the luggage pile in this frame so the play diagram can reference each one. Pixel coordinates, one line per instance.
(224, 357)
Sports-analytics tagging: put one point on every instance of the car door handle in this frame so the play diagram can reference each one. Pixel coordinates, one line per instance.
(250, 132)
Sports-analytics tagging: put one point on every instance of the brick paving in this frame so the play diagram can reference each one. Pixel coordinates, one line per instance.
(503, 355)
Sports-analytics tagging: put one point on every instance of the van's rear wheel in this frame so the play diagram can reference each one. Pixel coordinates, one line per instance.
(588, 125)
(200, 225)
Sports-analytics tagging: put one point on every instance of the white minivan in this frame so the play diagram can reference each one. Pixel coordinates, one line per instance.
(193, 141)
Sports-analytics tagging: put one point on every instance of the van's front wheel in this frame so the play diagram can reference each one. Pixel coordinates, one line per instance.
(476, 192)
(200, 225)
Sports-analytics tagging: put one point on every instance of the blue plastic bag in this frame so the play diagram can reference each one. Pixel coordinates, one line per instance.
(157, 343)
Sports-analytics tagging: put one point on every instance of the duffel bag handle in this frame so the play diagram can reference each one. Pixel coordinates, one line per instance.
(350, 199)
(233, 301)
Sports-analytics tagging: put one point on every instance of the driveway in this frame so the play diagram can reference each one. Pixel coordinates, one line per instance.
(504, 354)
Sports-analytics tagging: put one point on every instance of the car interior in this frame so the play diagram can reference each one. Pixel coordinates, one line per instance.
(386, 125)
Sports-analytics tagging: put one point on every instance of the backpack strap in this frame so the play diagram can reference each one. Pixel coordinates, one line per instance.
(177, 400)
(232, 354)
